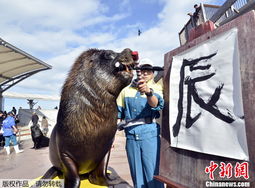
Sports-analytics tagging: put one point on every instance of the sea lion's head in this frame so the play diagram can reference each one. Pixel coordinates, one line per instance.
(99, 71)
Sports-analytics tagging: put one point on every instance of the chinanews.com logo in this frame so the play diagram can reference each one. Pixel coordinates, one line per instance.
(226, 171)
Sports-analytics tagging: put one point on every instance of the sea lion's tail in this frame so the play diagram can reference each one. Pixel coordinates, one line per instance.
(51, 173)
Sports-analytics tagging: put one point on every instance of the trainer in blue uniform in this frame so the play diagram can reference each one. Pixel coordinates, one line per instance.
(138, 107)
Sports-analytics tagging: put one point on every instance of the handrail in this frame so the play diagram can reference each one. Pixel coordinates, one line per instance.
(221, 14)
(247, 7)
(222, 10)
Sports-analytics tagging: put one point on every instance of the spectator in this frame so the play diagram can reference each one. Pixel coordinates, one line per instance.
(14, 110)
(35, 118)
(138, 105)
(1, 118)
(16, 119)
(10, 132)
(45, 126)
(5, 114)
(1, 129)
(195, 17)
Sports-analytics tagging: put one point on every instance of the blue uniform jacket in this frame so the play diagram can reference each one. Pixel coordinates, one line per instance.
(133, 105)
(8, 123)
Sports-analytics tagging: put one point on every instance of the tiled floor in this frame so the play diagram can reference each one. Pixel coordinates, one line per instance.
(34, 163)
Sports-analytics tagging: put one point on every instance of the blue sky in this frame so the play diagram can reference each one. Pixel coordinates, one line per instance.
(57, 31)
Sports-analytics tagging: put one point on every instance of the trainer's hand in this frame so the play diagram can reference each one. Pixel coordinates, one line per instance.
(142, 86)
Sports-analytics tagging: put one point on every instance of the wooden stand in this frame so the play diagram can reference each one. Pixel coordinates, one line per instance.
(183, 168)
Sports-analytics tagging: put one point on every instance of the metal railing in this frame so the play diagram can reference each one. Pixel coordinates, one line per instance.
(217, 14)
(240, 3)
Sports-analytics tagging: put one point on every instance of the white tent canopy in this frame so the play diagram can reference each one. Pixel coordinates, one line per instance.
(16, 65)
(30, 96)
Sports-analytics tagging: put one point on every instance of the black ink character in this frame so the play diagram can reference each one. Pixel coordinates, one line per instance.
(209, 106)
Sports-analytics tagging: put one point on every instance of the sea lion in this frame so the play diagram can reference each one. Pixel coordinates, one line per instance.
(38, 138)
(87, 116)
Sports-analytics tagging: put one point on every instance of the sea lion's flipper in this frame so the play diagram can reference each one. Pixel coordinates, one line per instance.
(71, 175)
(51, 173)
(99, 177)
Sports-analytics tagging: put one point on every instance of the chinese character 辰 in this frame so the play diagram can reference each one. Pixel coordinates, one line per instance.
(209, 105)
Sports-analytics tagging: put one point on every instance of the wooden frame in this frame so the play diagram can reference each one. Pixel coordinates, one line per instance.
(183, 168)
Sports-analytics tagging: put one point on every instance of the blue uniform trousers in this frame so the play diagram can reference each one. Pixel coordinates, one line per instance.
(143, 158)
(10, 138)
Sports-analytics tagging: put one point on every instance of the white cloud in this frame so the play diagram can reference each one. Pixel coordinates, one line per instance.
(47, 13)
(52, 27)
(58, 31)
(158, 40)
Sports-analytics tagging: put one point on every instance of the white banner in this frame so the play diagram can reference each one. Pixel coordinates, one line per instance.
(205, 105)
